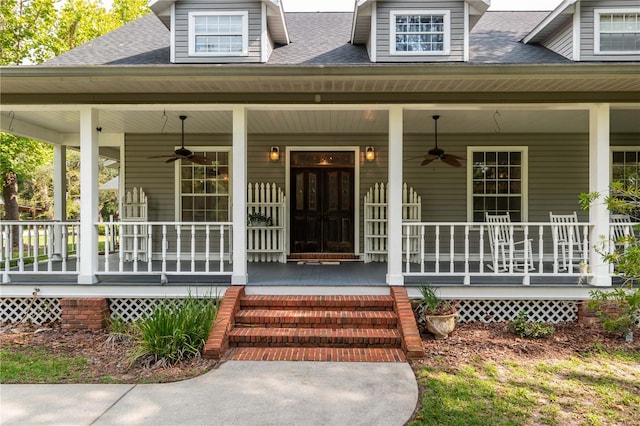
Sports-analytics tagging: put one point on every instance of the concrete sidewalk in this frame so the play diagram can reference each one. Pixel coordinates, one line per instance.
(236, 393)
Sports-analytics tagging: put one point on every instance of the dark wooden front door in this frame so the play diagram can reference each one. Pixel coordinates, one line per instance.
(322, 210)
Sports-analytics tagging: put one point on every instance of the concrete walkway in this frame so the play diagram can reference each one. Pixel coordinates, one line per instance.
(236, 393)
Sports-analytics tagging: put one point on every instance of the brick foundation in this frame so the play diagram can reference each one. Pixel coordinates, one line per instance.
(84, 313)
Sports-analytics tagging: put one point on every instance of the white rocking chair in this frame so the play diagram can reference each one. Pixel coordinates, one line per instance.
(567, 241)
(621, 230)
(505, 252)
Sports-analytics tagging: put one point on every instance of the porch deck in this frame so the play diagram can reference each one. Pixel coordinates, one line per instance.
(295, 273)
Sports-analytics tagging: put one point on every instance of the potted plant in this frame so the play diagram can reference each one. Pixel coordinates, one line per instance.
(258, 219)
(439, 316)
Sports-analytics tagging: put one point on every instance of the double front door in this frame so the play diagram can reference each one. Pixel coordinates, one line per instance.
(322, 209)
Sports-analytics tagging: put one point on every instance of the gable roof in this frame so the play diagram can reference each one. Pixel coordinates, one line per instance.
(317, 38)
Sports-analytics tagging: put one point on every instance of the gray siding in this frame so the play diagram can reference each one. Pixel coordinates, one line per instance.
(181, 29)
(587, 38)
(457, 30)
(558, 168)
(562, 41)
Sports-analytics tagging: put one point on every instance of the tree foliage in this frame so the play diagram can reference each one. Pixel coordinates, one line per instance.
(36, 30)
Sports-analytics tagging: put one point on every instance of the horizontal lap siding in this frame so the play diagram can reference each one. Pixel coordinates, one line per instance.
(587, 35)
(558, 168)
(457, 31)
(182, 29)
(562, 41)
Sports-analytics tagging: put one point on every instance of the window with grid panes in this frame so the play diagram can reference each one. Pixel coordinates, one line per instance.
(220, 33)
(497, 183)
(204, 189)
(625, 168)
(617, 31)
(419, 32)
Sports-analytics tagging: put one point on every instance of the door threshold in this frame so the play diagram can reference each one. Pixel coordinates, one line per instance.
(320, 257)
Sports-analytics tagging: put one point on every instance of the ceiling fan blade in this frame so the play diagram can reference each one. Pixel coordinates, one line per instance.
(161, 156)
(427, 160)
(455, 157)
(448, 159)
(172, 159)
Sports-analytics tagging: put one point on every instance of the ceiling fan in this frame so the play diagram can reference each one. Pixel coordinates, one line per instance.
(183, 153)
(436, 153)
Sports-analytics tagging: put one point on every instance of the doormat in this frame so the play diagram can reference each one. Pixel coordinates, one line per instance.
(318, 262)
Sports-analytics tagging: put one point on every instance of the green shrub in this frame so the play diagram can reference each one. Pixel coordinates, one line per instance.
(618, 309)
(173, 333)
(522, 327)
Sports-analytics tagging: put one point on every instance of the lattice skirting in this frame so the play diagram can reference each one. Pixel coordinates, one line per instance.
(40, 310)
(548, 311)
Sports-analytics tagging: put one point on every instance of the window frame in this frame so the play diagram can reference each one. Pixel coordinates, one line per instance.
(622, 148)
(597, 13)
(178, 179)
(193, 35)
(446, 49)
(524, 177)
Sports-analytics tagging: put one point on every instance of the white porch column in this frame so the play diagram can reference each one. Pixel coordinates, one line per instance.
(599, 182)
(59, 194)
(394, 219)
(88, 196)
(239, 187)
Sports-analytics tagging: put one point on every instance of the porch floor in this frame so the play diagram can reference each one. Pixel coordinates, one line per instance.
(293, 273)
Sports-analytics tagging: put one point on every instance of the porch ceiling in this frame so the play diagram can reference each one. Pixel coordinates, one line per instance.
(62, 126)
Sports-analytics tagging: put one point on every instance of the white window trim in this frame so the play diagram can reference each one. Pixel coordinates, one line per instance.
(596, 31)
(619, 148)
(524, 195)
(447, 31)
(245, 33)
(176, 175)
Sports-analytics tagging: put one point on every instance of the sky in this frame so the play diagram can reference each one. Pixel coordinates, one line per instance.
(347, 5)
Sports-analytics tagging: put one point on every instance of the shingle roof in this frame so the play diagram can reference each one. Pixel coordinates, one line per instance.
(144, 41)
(496, 40)
(317, 38)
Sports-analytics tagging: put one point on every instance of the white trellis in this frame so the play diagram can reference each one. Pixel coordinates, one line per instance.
(375, 221)
(266, 242)
(134, 238)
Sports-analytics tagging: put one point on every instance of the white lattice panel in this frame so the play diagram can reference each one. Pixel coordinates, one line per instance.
(548, 311)
(133, 309)
(38, 311)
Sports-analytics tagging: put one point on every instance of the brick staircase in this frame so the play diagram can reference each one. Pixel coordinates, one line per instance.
(314, 328)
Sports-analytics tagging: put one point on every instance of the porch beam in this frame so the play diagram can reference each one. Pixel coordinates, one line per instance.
(239, 186)
(599, 129)
(59, 194)
(88, 196)
(394, 219)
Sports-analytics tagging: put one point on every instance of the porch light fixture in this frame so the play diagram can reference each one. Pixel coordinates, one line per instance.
(370, 153)
(274, 153)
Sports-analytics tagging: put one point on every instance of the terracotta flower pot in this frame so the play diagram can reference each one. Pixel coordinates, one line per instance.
(441, 325)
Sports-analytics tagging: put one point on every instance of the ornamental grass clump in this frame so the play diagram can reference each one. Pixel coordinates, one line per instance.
(175, 332)
(522, 327)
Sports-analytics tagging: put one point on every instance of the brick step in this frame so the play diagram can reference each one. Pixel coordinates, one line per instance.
(315, 319)
(317, 354)
(354, 303)
(316, 337)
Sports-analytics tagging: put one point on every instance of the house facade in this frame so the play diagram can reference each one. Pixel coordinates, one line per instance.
(382, 139)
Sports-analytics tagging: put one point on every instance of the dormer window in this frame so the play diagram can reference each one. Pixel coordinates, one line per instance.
(218, 33)
(617, 31)
(420, 32)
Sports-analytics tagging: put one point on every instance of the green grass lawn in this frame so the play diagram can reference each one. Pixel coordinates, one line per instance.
(598, 389)
(39, 365)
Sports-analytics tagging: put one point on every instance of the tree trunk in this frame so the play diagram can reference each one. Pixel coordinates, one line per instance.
(10, 197)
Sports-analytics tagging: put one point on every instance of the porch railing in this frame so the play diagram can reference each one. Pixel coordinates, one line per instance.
(465, 250)
(168, 248)
(28, 247)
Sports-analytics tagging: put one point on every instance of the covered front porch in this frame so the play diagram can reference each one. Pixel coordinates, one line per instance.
(553, 152)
